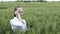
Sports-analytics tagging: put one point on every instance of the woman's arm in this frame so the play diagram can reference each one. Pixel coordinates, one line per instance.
(19, 17)
(14, 24)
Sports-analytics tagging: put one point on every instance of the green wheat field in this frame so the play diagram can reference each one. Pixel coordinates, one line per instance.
(43, 16)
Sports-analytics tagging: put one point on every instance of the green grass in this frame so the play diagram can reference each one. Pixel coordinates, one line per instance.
(44, 16)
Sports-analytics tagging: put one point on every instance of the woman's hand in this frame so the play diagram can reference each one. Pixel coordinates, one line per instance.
(18, 15)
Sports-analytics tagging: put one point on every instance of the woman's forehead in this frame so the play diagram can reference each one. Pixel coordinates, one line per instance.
(20, 9)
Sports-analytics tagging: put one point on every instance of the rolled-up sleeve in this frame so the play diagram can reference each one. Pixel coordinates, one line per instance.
(15, 24)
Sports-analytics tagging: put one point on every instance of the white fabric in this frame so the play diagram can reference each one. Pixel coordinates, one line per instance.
(16, 24)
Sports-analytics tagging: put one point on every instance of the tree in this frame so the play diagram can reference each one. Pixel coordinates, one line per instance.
(18, 0)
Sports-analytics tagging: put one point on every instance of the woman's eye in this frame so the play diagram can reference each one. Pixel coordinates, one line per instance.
(20, 12)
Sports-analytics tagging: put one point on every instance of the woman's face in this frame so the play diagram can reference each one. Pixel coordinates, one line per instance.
(20, 10)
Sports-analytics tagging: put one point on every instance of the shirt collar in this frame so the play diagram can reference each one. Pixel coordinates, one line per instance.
(15, 17)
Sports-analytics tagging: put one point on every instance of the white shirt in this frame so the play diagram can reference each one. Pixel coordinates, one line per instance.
(16, 24)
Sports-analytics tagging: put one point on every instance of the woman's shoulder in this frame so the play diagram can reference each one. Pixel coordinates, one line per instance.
(11, 20)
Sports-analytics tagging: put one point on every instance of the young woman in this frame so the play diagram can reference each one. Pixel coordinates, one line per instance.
(17, 23)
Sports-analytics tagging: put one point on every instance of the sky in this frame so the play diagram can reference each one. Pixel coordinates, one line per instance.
(7, 0)
(53, 0)
(15, 0)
